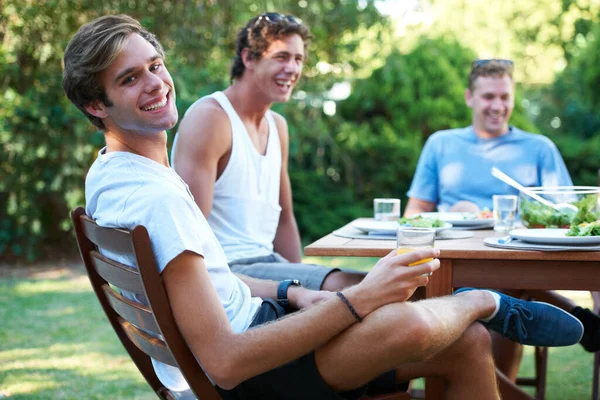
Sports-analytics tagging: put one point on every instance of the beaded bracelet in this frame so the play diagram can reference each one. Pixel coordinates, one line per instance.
(347, 303)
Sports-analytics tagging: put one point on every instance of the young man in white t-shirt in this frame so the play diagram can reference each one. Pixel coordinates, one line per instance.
(342, 344)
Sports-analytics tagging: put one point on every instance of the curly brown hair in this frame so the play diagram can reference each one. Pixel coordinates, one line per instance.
(93, 49)
(260, 32)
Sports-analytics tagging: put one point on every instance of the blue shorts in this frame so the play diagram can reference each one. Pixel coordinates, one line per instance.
(300, 379)
(277, 268)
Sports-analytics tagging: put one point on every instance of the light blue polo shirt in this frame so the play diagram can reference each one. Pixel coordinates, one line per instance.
(456, 165)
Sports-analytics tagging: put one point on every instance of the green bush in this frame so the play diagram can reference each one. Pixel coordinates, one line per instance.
(569, 112)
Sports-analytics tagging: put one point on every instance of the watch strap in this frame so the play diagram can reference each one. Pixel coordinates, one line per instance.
(282, 290)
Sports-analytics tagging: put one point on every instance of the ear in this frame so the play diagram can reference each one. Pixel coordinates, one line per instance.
(97, 109)
(248, 62)
(469, 98)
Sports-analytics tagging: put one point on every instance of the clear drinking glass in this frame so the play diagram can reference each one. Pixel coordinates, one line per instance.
(386, 209)
(409, 239)
(505, 208)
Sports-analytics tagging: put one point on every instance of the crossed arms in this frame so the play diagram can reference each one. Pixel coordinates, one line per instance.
(230, 358)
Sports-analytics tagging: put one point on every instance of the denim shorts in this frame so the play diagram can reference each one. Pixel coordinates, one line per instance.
(300, 379)
(277, 268)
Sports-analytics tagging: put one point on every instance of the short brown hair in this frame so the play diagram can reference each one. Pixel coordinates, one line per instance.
(93, 49)
(260, 32)
(496, 68)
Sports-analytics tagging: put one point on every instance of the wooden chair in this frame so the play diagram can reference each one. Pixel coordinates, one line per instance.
(596, 369)
(131, 320)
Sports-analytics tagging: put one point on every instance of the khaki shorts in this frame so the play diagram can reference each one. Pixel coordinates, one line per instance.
(276, 268)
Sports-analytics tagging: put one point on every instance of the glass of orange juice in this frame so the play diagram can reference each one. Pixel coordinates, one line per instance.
(409, 239)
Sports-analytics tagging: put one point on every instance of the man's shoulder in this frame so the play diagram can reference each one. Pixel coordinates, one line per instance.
(278, 117)
(280, 123)
(444, 135)
(206, 109)
(531, 137)
(205, 120)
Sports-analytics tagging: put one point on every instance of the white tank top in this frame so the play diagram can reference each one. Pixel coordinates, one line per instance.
(245, 211)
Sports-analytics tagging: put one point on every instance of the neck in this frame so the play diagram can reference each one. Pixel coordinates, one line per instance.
(247, 101)
(152, 146)
(483, 134)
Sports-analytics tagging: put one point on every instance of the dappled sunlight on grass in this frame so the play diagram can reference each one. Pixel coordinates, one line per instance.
(62, 285)
(59, 344)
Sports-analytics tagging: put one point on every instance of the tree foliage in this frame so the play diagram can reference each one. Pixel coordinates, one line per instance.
(569, 111)
(402, 91)
(47, 144)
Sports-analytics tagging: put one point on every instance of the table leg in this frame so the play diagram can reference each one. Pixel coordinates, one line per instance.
(440, 284)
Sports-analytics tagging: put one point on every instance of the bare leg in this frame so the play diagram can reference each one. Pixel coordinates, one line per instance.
(338, 280)
(414, 333)
(466, 365)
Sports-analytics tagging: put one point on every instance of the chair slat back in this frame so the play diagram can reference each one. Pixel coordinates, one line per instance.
(117, 274)
(140, 327)
(135, 313)
(150, 345)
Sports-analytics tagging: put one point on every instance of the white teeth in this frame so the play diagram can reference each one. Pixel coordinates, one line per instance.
(156, 105)
(284, 83)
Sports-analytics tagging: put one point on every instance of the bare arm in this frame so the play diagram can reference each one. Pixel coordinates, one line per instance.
(203, 140)
(230, 358)
(416, 206)
(287, 238)
(299, 297)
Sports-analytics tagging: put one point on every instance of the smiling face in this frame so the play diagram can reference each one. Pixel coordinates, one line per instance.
(140, 90)
(492, 101)
(279, 68)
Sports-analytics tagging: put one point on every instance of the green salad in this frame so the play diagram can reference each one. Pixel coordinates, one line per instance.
(536, 215)
(585, 229)
(420, 222)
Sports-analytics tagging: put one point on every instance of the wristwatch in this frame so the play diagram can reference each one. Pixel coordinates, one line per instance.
(282, 290)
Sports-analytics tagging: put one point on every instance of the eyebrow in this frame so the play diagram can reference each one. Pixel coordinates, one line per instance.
(287, 53)
(127, 71)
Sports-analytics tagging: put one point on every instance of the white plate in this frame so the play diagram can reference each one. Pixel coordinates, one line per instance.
(465, 219)
(369, 225)
(552, 236)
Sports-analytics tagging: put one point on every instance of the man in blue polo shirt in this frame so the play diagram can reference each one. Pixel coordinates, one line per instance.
(454, 169)
(455, 164)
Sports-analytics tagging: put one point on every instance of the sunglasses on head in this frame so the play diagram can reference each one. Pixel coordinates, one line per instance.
(273, 18)
(481, 63)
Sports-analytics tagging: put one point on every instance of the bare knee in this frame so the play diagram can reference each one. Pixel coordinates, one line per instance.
(474, 346)
(429, 336)
(339, 280)
(477, 339)
(420, 332)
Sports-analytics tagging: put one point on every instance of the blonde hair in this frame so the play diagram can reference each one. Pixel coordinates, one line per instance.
(496, 68)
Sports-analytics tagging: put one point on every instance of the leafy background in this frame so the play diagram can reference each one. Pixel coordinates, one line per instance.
(407, 74)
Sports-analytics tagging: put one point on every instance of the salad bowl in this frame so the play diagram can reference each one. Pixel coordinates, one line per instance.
(535, 214)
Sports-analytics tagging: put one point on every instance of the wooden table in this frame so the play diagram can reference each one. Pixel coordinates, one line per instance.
(468, 262)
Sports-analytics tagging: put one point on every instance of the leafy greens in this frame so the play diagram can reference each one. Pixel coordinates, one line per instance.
(537, 215)
(420, 222)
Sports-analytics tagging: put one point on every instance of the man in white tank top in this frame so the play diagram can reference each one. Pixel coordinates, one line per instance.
(341, 344)
(232, 151)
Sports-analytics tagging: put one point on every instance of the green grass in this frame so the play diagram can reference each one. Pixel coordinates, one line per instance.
(55, 343)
